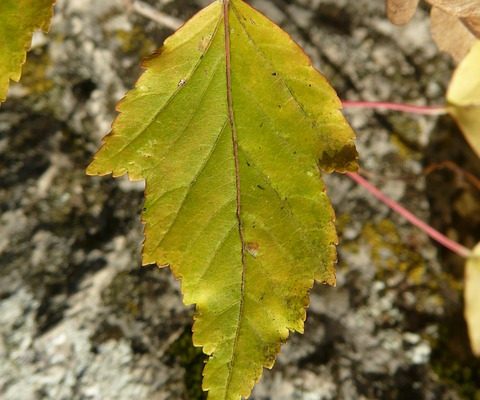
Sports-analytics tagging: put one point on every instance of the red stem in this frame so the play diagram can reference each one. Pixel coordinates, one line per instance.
(457, 248)
(407, 108)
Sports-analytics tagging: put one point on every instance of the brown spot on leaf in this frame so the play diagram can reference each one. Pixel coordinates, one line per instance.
(341, 161)
(252, 248)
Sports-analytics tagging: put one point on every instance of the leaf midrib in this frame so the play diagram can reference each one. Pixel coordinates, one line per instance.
(231, 118)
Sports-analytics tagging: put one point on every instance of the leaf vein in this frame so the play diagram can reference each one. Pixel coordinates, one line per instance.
(215, 253)
(171, 98)
(268, 60)
(190, 186)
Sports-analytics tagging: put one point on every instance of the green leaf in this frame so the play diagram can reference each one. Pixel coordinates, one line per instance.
(18, 20)
(472, 299)
(230, 126)
(463, 97)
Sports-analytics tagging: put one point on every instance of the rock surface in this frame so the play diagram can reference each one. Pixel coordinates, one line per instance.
(79, 318)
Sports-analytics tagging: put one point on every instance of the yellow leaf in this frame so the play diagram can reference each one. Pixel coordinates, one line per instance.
(463, 97)
(472, 299)
(18, 20)
(230, 126)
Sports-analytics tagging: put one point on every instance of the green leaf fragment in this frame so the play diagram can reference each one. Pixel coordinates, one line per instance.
(230, 126)
(18, 20)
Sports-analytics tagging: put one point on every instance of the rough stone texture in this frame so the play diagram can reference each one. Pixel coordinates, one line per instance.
(79, 318)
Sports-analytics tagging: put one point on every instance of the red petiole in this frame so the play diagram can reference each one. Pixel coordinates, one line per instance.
(457, 248)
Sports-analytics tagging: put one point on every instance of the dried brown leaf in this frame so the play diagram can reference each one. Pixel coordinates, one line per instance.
(473, 24)
(459, 8)
(450, 34)
(400, 12)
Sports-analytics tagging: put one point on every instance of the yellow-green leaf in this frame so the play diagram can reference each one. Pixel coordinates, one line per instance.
(472, 299)
(18, 20)
(464, 96)
(230, 126)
